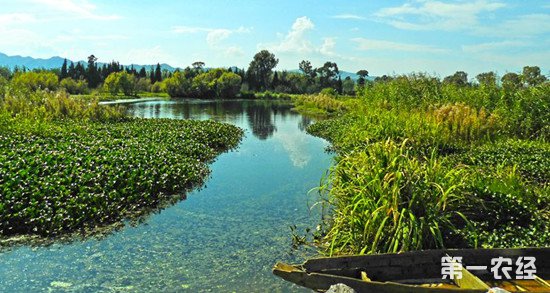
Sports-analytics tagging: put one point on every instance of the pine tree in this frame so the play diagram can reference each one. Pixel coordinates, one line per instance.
(152, 75)
(275, 81)
(142, 73)
(158, 73)
(71, 72)
(63, 74)
(92, 73)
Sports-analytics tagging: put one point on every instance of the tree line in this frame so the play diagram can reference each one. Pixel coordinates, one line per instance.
(201, 82)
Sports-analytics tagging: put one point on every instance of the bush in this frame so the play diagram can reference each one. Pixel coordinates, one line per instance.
(74, 87)
(36, 80)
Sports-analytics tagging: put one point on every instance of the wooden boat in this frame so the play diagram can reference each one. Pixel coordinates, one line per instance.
(419, 272)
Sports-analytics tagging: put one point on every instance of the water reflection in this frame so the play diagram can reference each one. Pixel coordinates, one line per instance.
(260, 115)
(222, 238)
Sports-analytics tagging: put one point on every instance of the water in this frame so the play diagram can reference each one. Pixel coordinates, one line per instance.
(222, 238)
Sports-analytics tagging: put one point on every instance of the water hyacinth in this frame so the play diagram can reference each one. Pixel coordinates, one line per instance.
(93, 174)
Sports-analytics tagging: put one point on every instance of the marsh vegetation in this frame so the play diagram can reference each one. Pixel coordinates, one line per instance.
(68, 164)
(424, 163)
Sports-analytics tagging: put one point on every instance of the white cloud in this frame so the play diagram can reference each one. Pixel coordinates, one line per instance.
(348, 16)
(522, 26)
(76, 8)
(214, 36)
(493, 46)
(295, 40)
(16, 18)
(437, 15)
(381, 45)
(181, 29)
(234, 51)
(328, 46)
(151, 55)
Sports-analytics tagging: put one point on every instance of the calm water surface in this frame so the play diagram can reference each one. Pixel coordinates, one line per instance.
(223, 238)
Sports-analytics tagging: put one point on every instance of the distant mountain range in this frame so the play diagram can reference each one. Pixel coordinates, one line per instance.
(56, 62)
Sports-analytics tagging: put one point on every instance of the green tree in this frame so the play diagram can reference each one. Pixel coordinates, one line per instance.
(92, 75)
(511, 81)
(143, 73)
(328, 74)
(531, 75)
(307, 69)
(158, 73)
(198, 66)
(362, 76)
(74, 87)
(261, 68)
(228, 85)
(488, 79)
(459, 78)
(120, 81)
(64, 73)
(348, 86)
(178, 85)
(32, 80)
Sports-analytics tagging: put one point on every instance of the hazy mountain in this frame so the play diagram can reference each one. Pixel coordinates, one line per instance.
(29, 62)
(56, 62)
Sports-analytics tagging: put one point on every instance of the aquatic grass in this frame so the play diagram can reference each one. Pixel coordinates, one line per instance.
(319, 104)
(387, 200)
(474, 167)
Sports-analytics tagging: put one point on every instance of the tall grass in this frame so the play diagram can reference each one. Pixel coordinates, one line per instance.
(49, 106)
(387, 200)
(422, 164)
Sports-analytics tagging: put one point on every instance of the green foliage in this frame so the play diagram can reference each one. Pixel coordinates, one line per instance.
(397, 203)
(120, 82)
(215, 83)
(47, 106)
(321, 104)
(74, 87)
(77, 176)
(177, 85)
(68, 164)
(424, 164)
(35, 80)
(261, 68)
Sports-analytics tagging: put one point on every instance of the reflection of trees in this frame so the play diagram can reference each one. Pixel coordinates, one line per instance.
(304, 123)
(261, 120)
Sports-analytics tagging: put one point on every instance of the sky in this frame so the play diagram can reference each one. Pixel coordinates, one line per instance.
(383, 37)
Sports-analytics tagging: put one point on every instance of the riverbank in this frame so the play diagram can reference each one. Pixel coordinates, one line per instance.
(71, 165)
(425, 165)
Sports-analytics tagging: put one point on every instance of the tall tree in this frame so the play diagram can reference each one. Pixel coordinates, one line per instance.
(64, 74)
(158, 73)
(275, 82)
(459, 78)
(531, 75)
(142, 73)
(307, 69)
(261, 68)
(362, 76)
(487, 79)
(71, 71)
(329, 74)
(199, 65)
(92, 73)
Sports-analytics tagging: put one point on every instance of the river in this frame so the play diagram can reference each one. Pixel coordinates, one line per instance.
(225, 237)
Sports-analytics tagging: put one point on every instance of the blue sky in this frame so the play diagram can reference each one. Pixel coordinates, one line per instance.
(384, 37)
